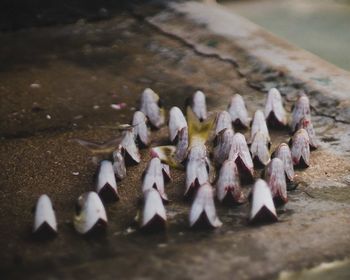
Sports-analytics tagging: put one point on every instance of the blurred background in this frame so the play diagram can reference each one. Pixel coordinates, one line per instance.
(319, 26)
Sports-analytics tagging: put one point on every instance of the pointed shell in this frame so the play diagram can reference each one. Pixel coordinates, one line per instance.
(239, 152)
(182, 145)
(141, 131)
(129, 147)
(283, 152)
(177, 122)
(106, 185)
(223, 121)
(259, 148)
(203, 208)
(276, 180)
(300, 111)
(263, 209)
(223, 145)
(196, 175)
(259, 123)
(119, 164)
(91, 215)
(228, 187)
(199, 106)
(44, 216)
(153, 178)
(274, 111)
(300, 150)
(238, 111)
(153, 215)
(150, 107)
(306, 124)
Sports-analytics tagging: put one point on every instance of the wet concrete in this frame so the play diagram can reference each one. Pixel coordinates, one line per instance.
(83, 68)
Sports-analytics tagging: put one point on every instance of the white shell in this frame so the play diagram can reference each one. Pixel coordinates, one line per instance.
(239, 149)
(153, 177)
(259, 148)
(141, 131)
(153, 207)
(166, 172)
(196, 168)
(262, 203)
(149, 106)
(276, 180)
(238, 111)
(177, 122)
(182, 145)
(44, 214)
(300, 148)
(223, 145)
(92, 213)
(300, 111)
(283, 153)
(119, 164)
(204, 203)
(228, 183)
(106, 183)
(306, 124)
(259, 123)
(274, 106)
(223, 121)
(199, 106)
(129, 146)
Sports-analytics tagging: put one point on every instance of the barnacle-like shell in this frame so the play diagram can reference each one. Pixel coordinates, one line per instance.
(119, 164)
(306, 124)
(223, 145)
(166, 172)
(106, 185)
(300, 111)
(153, 215)
(203, 212)
(301, 148)
(153, 178)
(238, 112)
(228, 188)
(177, 122)
(259, 123)
(199, 106)
(239, 152)
(141, 131)
(198, 131)
(283, 153)
(196, 170)
(150, 106)
(274, 111)
(129, 147)
(263, 209)
(260, 149)
(90, 215)
(45, 224)
(223, 121)
(182, 145)
(276, 180)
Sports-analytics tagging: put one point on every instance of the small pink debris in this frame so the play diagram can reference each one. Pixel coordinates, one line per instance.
(118, 106)
(96, 107)
(75, 173)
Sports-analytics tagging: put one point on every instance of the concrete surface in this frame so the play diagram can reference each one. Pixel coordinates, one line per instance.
(84, 65)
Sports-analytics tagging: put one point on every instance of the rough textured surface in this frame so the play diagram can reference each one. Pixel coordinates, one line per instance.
(83, 65)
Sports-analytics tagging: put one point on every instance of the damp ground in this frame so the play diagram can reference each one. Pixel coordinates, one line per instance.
(57, 84)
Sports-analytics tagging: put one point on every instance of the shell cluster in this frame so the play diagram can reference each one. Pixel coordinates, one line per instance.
(217, 159)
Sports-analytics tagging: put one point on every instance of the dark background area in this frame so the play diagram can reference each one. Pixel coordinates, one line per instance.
(18, 14)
